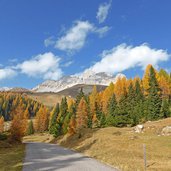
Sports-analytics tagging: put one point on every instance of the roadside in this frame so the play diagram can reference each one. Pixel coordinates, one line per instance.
(51, 157)
(11, 156)
(120, 147)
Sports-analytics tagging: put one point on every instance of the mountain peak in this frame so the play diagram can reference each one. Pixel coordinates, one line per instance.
(89, 78)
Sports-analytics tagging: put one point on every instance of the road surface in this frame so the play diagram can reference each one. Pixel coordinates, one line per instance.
(50, 157)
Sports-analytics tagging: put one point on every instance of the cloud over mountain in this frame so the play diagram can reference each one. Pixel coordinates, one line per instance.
(6, 73)
(124, 57)
(45, 66)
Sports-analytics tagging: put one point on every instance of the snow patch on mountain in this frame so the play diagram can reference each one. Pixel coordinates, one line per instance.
(88, 77)
(5, 89)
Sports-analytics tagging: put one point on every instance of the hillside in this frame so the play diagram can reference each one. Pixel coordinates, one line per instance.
(50, 98)
(122, 147)
(73, 91)
(86, 78)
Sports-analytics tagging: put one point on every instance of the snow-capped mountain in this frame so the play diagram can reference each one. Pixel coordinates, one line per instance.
(88, 77)
(5, 89)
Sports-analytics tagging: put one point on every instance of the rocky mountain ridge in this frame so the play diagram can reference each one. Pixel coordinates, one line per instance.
(87, 78)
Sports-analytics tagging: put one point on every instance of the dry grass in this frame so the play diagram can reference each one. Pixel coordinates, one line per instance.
(48, 99)
(38, 137)
(11, 156)
(122, 148)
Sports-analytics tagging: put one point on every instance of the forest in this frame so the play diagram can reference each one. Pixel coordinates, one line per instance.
(125, 103)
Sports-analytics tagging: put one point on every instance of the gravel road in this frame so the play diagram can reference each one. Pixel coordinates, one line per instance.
(50, 157)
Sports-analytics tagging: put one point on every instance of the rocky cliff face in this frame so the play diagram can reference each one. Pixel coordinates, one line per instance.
(89, 78)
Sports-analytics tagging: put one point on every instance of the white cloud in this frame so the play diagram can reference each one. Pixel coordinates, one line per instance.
(103, 11)
(44, 65)
(67, 64)
(6, 73)
(75, 38)
(124, 57)
(49, 41)
(102, 30)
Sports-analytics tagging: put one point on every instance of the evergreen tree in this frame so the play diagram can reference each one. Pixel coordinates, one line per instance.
(112, 106)
(66, 123)
(139, 104)
(165, 109)
(154, 100)
(133, 103)
(122, 117)
(59, 126)
(30, 130)
(80, 96)
(102, 119)
(53, 119)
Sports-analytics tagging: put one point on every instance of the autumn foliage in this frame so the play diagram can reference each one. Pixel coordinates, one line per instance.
(42, 119)
(1, 124)
(19, 125)
(126, 102)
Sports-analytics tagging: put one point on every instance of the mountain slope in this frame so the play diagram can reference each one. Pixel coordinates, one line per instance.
(73, 91)
(87, 78)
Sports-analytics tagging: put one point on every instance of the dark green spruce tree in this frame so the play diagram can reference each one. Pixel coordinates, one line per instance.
(131, 102)
(112, 108)
(63, 114)
(30, 129)
(154, 100)
(53, 121)
(79, 96)
(165, 109)
(139, 104)
(122, 118)
(71, 113)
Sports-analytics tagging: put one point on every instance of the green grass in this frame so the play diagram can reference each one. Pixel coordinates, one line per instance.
(11, 156)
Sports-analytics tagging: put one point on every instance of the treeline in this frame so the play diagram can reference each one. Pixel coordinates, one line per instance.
(10, 102)
(125, 103)
(18, 109)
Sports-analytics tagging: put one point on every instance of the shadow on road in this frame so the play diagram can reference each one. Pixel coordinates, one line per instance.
(50, 157)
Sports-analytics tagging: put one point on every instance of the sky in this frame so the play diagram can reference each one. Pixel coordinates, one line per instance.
(48, 39)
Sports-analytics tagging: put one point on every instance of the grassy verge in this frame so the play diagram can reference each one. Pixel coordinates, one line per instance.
(123, 148)
(11, 156)
(38, 137)
(120, 147)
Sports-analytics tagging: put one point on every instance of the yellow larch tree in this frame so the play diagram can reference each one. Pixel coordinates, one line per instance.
(1, 124)
(81, 115)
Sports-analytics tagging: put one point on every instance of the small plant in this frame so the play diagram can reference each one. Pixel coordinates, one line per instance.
(3, 136)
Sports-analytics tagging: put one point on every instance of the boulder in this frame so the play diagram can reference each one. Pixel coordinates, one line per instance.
(139, 128)
(166, 130)
(7, 126)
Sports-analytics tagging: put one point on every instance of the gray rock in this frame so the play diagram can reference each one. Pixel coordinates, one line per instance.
(139, 128)
(166, 130)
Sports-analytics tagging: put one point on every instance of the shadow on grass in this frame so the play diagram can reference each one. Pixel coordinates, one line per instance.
(77, 141)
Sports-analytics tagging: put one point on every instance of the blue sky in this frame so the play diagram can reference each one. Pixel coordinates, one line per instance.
(47, 39)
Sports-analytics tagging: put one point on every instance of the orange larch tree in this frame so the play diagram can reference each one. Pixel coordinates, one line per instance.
(1, 124)
(107, 94)
(82, 115)
(19, 125)
(42, 119)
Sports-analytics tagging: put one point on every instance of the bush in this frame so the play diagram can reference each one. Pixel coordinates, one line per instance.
(3, 136)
